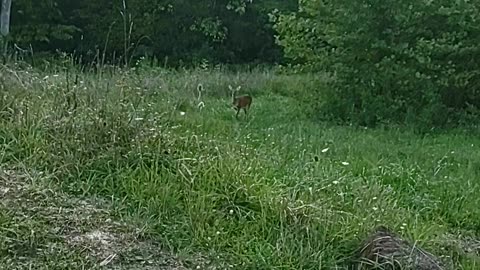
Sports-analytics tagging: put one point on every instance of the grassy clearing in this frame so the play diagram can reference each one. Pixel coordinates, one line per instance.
(271, 191)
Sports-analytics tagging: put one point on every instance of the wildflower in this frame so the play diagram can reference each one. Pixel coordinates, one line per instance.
(325, 150)
(345, 163)
(182, 113)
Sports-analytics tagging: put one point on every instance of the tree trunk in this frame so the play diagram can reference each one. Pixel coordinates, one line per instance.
(5, 17)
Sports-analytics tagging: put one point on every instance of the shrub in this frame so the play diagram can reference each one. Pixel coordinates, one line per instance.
(392, 61)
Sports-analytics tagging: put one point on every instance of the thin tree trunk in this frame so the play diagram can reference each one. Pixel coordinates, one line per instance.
(5, 17)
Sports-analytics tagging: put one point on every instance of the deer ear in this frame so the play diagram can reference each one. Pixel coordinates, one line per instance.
(238, 88)
(230, 87)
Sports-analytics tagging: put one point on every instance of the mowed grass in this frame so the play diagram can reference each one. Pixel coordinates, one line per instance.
(274, 190)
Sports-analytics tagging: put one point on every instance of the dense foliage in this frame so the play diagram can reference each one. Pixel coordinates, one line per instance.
(227, 31)
(401, 61)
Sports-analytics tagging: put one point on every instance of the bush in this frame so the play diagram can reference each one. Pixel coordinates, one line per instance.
(392, 61)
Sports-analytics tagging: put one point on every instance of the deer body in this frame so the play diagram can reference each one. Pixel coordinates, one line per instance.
(240, 102)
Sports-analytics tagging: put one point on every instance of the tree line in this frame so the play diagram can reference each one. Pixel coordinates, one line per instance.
(176, 31)
(406, 61)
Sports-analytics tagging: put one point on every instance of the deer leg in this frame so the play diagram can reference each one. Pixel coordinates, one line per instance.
(238, 111)
(245, 110)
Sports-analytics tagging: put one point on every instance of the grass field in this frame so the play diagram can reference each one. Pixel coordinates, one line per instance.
(124, 171)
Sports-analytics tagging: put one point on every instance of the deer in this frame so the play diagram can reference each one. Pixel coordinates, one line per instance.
(240, 102)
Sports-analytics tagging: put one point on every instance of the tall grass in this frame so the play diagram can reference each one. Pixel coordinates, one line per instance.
(275, 190)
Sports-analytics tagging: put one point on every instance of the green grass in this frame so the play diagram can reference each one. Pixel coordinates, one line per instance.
(276, 190)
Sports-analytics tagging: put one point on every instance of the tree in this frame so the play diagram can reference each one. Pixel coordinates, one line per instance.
(5, 17)
(227, 31)
(392, 61)
(41, 24)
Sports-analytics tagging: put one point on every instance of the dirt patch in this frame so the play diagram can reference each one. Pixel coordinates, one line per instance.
(46, 228)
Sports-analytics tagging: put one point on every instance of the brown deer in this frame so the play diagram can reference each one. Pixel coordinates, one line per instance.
(240, 102)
